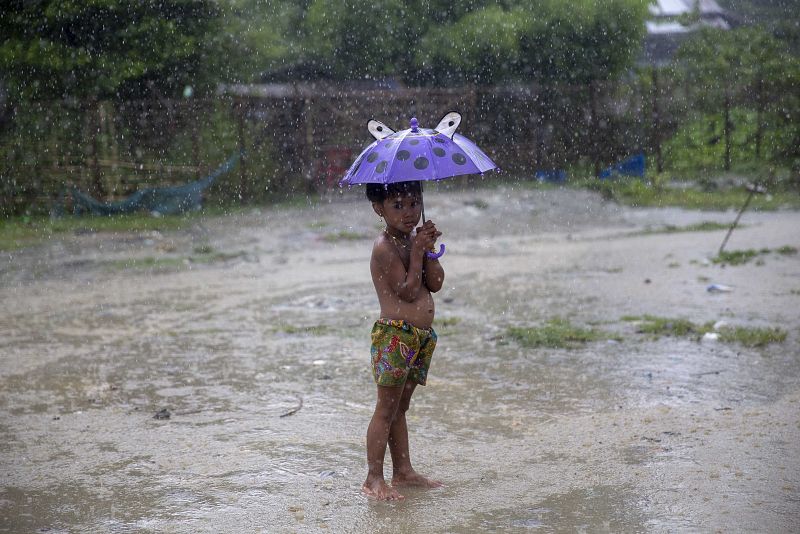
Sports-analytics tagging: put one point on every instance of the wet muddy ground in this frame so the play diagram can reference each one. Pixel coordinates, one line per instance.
(251, 331)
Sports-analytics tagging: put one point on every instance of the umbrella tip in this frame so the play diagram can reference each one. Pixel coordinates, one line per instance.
(414, 124)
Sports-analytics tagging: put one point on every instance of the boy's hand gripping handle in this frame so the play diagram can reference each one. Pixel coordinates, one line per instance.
(432, 254)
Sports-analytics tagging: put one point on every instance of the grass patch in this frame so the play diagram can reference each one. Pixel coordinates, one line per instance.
(477, 203)
(291, 200)
(213, 257)
(705, 226)
(203, 249)
(752, 337)
(637, 193)
(447, 322)
(148, 262)
(664, 326)
(556, 333)
(171, 262)
(344, 235)
(735, 257)
(317, 225)
(25, 231)
(740, 257)
(313, 330)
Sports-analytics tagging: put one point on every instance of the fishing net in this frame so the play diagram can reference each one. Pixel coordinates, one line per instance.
(162, 200)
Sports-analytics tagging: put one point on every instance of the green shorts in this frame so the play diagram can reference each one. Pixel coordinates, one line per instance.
(400, 352)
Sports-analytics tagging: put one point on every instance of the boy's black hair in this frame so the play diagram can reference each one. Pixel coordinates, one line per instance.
(380, 192)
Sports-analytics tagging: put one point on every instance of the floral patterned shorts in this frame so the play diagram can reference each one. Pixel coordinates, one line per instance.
(400, 352)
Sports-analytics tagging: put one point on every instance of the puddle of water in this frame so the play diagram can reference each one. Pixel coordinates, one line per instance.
(265, 375)
(74, 507)
(595, 509)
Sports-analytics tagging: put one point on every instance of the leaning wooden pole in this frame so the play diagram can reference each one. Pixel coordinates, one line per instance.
(752, 189)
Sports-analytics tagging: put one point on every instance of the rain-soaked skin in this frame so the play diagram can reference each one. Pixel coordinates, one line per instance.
(388, 427)
(262, 361)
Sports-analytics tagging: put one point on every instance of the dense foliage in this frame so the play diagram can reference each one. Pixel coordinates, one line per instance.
(103, 48)
(543, 41)
(745, 98)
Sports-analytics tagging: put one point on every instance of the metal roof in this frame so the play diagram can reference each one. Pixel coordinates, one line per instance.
(675, 8)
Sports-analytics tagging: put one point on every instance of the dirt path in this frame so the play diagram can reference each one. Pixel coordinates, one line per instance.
(239, 321)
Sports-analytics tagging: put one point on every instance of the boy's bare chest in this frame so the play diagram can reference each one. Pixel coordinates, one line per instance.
(405, 257)
(403, 249)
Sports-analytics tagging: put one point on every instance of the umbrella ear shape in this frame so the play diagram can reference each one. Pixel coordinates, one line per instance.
(379, 130)
(449, 123)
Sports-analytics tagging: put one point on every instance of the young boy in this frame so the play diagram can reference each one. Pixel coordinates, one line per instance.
(402, 339)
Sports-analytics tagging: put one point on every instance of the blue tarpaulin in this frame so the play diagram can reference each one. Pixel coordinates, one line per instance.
(552, 175)
(163, 200)
(633, 166)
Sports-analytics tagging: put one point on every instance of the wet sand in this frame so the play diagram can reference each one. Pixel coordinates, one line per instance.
(252, 331)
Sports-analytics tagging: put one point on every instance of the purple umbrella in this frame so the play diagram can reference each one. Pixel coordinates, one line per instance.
(417, 154)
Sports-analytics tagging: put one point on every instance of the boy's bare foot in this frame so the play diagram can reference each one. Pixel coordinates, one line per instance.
(413, 478)
(379, 489)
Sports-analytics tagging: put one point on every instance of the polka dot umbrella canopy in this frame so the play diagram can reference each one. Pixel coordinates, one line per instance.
(417, 154)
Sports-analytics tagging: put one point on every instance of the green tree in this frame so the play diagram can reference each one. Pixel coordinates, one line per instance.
(481, 47)
(580, 41)
(548, 41)
(477, 41)
(359, 40)
(745, 72)
(103, 48)
(258, 36)
(434, 13)
(356, 40)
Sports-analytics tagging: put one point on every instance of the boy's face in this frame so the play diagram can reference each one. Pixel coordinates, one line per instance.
(401, 212)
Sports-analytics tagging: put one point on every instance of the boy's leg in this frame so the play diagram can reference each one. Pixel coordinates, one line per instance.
(398, 433)
(377, 438)
(402, 472)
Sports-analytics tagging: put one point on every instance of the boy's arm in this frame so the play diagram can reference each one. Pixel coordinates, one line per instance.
(432, 271)
(389, 266)
(433, 274)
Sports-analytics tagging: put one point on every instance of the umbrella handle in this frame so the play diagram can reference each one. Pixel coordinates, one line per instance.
(436, 255)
